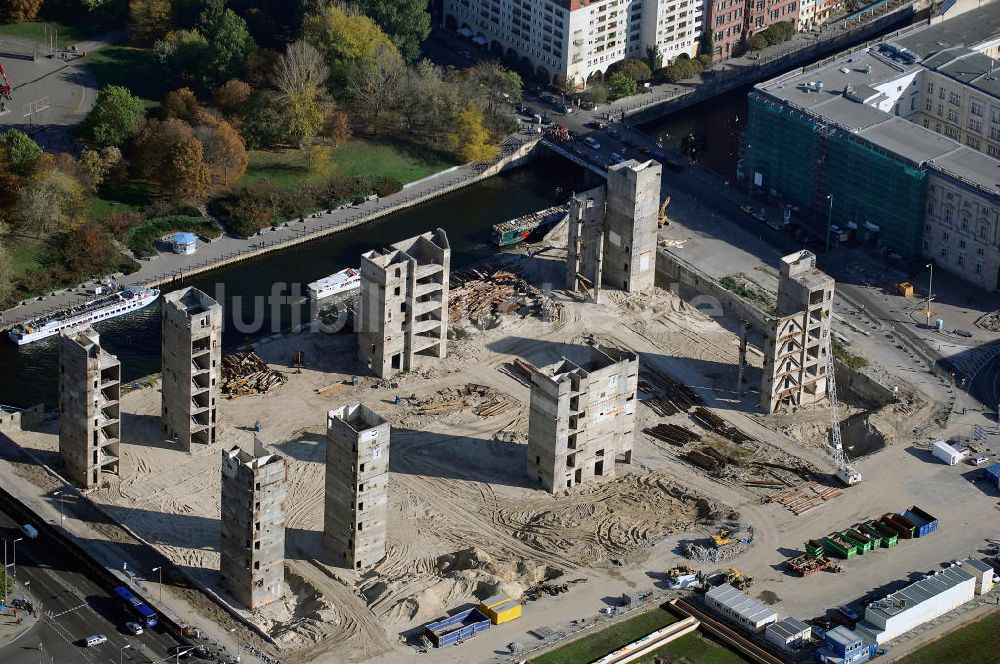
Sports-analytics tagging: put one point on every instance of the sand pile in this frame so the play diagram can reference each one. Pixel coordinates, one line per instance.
(432, 588)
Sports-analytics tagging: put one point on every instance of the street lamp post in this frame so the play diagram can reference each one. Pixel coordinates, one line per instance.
(930, 288)
(239, 643)
(829, 220)
(121, 653)
(160, 570)
(60, 494)
(14, 556)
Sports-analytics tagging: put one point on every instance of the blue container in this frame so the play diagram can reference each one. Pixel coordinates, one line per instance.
(461, 626)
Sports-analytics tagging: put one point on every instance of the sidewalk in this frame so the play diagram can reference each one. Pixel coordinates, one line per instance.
(15, 622)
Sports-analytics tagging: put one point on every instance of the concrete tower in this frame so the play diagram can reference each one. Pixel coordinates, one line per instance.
(191, 361)
(357, 485)
(252, 531)
(612, 231)
(403, 310)
(798, 338)
(582, 417)
(89, 426)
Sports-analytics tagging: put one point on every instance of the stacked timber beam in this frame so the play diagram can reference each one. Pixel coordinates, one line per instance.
(676, 397)
(716, 424)
(244, 374)
(484, 401)
(673, 434)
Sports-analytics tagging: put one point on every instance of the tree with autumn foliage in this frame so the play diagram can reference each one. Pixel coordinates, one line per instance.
(20, 10)
(168, 154)
(223, 149)
(470, 140)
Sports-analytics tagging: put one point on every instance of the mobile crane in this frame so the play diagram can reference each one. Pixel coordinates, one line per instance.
(846, 472)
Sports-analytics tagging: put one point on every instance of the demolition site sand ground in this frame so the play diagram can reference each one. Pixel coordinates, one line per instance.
(465, 520)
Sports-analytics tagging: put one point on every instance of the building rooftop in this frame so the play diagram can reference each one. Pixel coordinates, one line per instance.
(967, 29)
(744, 606)
(857, 92)
(919, 592)
(842, 635)
(788, 627)
(358, 417)
(978, 565)
(972, 166)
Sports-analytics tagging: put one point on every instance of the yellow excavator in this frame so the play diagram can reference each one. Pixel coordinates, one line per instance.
(722, 538)
(737, 579)
(663, 213)
(680, 570)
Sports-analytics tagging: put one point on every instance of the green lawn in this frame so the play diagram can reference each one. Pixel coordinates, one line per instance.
(977, 643)
(25, 255)
(601, 643)
(133, 68)
(132, 194)
(289, 167)
(66, 35)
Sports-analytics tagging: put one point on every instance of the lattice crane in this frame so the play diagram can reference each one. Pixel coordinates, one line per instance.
(846, 472)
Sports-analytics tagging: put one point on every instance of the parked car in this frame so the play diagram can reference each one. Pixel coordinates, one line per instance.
(591, 143)
(979, 460)
(616, 158)
(134, 628)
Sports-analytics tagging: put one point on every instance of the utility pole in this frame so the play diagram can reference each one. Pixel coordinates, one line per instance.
(745, 327)
(930, 287)
(160, 570)
(829, 220)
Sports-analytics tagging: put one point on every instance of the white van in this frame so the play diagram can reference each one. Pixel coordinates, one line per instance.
(95, 640)
(30, 531)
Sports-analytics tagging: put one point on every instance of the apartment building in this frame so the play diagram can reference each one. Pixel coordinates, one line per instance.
(574, 41)
(732, 22)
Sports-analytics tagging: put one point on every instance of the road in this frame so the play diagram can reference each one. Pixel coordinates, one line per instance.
(72, 606)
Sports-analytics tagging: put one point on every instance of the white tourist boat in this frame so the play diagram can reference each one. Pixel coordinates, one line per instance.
(345, 281)
(114, 302)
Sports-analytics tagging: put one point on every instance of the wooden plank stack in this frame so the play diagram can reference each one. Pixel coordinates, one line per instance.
(244, 374)
(672, 433)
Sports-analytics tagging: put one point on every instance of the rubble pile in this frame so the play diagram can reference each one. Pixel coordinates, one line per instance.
(244, 374)
(482, 295)
(484, 401)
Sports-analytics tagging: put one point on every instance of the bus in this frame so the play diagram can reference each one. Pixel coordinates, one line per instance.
(135, 607)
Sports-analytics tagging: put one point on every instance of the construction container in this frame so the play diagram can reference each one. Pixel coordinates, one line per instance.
(992, 474)
(873, 535)
(903, 528)
(923, 522)
(815, 548)
(836, 545)
(887, 538)
(456, 628)
(860, 540)
(806, 565)
(905, 289)
(503, 612)
(945, 452)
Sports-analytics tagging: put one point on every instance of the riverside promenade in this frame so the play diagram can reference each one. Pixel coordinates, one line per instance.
(168, 268)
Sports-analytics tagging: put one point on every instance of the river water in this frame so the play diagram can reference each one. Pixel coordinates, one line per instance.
(28, 374)
(710, 131)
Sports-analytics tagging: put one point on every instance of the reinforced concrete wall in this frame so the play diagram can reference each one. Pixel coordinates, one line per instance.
(191, 365)
(357, 485)
(252, 532)
(90, 420)
(582, 416)
(612, 231)
(403, 309)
